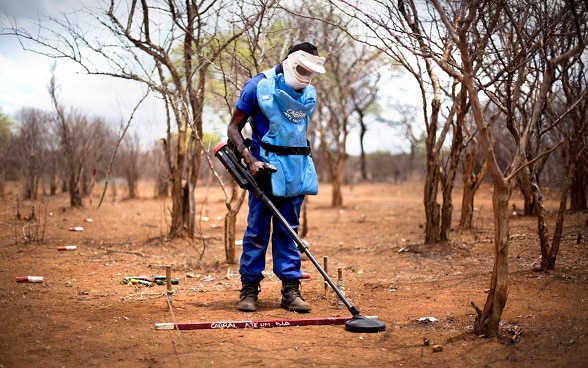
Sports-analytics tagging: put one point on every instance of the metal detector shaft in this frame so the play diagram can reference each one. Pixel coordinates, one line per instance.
(246, 181)
(302, 247)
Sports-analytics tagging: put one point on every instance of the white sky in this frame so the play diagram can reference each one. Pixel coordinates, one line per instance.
(24, 77)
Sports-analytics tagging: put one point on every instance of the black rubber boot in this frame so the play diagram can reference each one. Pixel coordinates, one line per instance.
(291, 298)
(248, 302)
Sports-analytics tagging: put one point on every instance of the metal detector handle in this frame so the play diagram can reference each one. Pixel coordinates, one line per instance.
(233, 165)
(269, 168)
(237, 168)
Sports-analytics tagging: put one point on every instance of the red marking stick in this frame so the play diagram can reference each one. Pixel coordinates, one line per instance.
(33, 279)
(67, 247)
(223, 325)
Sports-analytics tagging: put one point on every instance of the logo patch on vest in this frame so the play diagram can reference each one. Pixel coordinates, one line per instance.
(294, 116)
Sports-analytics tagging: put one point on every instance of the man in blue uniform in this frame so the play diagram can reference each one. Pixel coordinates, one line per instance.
(278, 104)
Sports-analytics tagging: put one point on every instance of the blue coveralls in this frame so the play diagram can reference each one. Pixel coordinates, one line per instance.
(286, 257)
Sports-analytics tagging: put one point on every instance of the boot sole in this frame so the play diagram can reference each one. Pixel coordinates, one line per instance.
(293, 309)
(247, 309)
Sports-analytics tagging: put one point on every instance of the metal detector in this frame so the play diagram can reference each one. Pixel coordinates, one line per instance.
(231, 160)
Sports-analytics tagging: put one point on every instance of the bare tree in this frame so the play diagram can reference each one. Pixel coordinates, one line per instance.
(128, 162)
(81, 143)
(513, 20)
(32, 138)
(170, 47)
(473, 172)
(570, 125)
(183, 84)
(399, 32)
(364, 98)
(449, 171)
(343, 101)
(489, 48)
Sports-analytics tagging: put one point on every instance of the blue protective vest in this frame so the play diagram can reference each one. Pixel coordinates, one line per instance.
(285, 145)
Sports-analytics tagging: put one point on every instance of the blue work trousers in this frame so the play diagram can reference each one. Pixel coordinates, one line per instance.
(286, 257)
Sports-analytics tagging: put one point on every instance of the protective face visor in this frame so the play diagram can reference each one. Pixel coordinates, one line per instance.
(300, 67)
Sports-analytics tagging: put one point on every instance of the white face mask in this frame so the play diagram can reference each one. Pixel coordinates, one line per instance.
(299, 68)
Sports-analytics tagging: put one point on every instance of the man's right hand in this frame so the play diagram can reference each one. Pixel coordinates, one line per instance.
(238, 120)
(255, 166)
(259, 167)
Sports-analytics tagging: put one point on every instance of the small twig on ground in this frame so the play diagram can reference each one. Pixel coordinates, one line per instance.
(124, 251)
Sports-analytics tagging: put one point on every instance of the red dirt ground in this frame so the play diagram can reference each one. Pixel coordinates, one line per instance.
(84, 316)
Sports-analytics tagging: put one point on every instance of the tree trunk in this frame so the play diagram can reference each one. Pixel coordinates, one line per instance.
(190, 211)
(53, 184)
(467, 206)
(233, 204)
(432, 208)
(177, 189)
(552, 256)
(487, 322)
(471, 184)
(161, 186)
(75, 190)
(196, 98)
(362, 159)
(446, 214)
(549, 253)
(541, 222)
(230, 236)
(467, 199)
(578, 188)
(449, 177)
(529, 207)
(337, 194)
(303, 228)
(194, 160)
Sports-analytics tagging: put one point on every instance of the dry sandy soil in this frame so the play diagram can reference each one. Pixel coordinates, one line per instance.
(83, 315)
